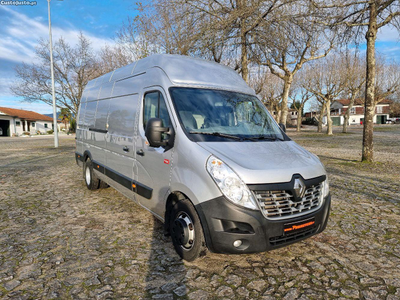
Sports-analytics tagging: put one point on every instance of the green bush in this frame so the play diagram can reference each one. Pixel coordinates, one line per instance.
(72, 126)
(50, 131)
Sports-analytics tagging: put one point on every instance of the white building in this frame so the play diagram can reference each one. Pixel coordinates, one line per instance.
(339, 108)
(15, 122)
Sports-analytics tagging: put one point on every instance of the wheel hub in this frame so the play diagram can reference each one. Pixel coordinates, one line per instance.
(87, 175)
(183, 231)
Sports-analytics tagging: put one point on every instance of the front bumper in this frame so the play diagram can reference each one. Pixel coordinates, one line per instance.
(224, 222)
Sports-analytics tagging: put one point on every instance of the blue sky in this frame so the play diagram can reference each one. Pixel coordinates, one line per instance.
(22, 26)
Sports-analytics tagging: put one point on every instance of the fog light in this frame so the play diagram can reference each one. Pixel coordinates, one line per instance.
(237, 243)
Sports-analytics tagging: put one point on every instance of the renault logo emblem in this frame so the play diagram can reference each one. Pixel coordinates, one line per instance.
(299, 187)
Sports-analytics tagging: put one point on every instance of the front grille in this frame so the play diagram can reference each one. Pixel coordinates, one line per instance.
(282, 204)
(287, 238)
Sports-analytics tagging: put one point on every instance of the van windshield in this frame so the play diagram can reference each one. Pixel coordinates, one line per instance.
(212, 115)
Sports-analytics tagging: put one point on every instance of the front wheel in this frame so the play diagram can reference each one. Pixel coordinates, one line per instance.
(186, 231)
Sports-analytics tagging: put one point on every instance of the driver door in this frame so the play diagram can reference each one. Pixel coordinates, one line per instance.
(153, 164)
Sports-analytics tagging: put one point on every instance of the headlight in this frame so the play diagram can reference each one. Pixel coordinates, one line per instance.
(326, 187)
(229, 183)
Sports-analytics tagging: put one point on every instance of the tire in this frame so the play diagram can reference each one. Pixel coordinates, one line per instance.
(91, 180)
(186, 231)
(103, 185)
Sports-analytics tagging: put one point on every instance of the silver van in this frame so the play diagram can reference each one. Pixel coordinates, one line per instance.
(189, 141)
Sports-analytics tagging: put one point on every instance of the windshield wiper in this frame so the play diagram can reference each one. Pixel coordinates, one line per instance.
(263, 137)
(217, 134)
(239, 138)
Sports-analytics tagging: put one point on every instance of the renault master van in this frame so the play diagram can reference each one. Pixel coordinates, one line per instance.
(188, 140)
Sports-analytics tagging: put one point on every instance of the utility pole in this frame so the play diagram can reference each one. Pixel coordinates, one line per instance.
(52, 82)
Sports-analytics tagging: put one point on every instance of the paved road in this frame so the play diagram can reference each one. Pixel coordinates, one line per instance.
(59, 240)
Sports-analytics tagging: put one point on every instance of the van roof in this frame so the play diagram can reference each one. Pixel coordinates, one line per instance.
(182, 71)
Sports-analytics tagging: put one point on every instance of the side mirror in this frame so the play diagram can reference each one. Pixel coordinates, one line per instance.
(154, 133)
(282, 126)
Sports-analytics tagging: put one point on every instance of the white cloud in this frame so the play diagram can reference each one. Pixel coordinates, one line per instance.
(19, 35)
(388, 34)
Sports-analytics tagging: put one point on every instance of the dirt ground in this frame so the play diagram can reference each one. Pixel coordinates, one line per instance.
(59, 240)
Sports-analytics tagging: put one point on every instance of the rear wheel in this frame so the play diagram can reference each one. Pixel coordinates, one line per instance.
(91, 180)
(186, 230)
(103, 185)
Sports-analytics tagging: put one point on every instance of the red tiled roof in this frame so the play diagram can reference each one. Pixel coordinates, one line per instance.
(346, 102)
(24, 114)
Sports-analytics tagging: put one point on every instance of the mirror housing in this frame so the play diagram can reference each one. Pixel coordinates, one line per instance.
(154, 131)
(282, 126)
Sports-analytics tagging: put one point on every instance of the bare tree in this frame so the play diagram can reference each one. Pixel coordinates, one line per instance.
(299, 96)
(387, 80)
(112, 57)
(73, 68)
(134, 38)
(326, 83)
(353, 68)
(167, 27)
(395, 109)
(237, 20)
(320, 117)
(364, 18)
(285, 46)
(268, 87)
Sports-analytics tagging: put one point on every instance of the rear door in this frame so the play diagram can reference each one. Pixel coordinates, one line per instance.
(153, 164)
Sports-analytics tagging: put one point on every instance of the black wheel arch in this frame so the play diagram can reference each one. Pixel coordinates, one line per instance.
(87, 155)
(171, 201)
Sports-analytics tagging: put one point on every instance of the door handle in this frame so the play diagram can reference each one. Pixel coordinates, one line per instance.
(140, 152)
(125, 148)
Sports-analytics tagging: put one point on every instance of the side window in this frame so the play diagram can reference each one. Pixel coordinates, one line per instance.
(155, 107)
(163, 112)
(150, 107)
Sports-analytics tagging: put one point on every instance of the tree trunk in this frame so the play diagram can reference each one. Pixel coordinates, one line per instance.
(244, 59)
(328, 117)
(346, 119)
(243, 42)
(347, 114)
(285, 95)
(320, 117)
(278, 114)
(299, 118)
(369, 106)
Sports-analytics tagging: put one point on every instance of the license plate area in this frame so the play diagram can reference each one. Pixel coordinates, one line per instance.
(299, 226)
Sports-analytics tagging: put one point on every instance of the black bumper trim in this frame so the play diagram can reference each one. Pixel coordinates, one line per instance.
(125, 181)
(266, 234)
(78, 157)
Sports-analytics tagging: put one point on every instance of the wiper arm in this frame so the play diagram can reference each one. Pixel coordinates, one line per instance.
(263, 137)
(217, 134)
